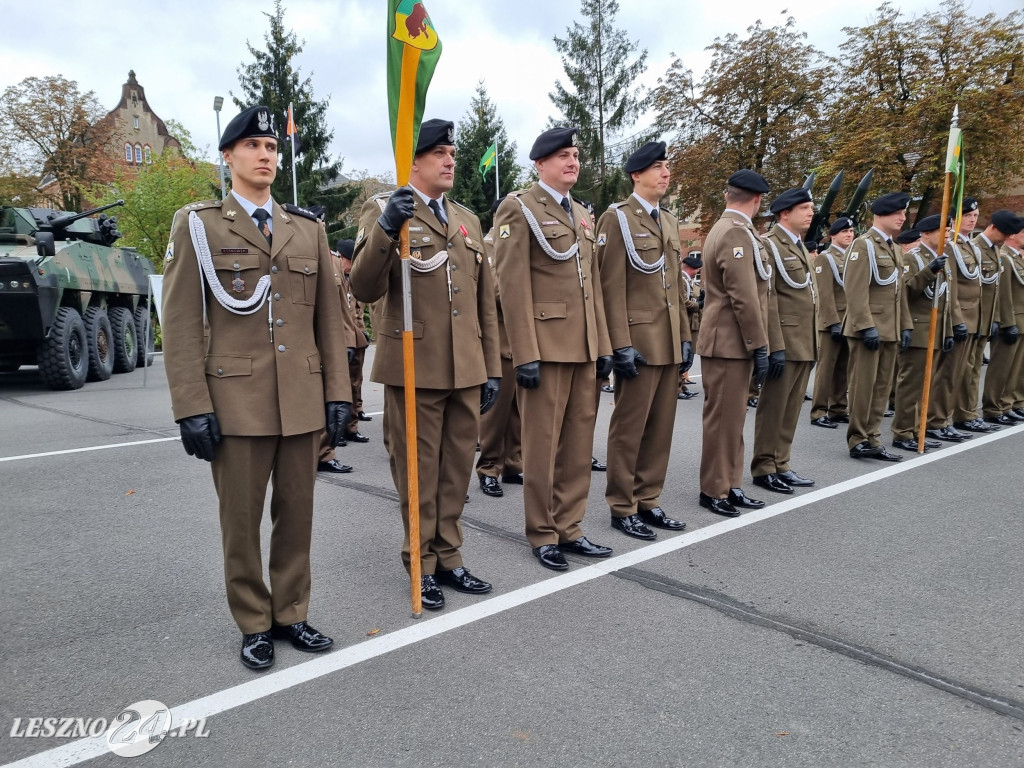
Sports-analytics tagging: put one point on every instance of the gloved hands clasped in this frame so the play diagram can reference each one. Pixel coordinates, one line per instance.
(870, 338)
(528, 375)
(489, 394)
(760, 356)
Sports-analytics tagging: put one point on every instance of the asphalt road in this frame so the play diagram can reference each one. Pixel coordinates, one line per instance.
(873, 620)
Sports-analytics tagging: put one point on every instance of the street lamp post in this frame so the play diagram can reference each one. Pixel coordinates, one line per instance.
(218, 102)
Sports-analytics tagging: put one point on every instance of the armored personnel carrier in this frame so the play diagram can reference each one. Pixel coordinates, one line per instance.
(70, 302)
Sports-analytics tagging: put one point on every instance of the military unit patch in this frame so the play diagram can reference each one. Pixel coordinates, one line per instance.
(360, 233)
(602, 238)
(737, 252)
(818, 270)
(503, 231)
(169, 256)
(853, 256)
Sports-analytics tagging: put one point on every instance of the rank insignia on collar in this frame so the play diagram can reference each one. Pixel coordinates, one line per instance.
(639, 212)
(602, 238)
(230, 213)
(503, 232)
(169, 256)
(737, 252)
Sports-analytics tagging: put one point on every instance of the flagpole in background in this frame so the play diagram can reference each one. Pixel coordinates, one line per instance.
(954, 165)
(413, 51)
(497, 189)
(291, 136)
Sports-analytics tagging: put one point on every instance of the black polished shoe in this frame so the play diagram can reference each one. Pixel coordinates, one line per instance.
(490, 486)
(752, 402)
(303, 637)
(585, 548)
(461, 580)
(842, 418)
(772, 482)
(1019, 412)
(807, 398)
(889, 412)
(909, 444)
(791, 478)
(686, 395)
(333, 466)
(1001, 419)
(516, 479)
(1014, 415)
(864, 450)
(953, 432)
(597, 466)
(363, 417)
(430, 594)
(551, 556)
(258, 651)
(633, 526)
(739, 499)
(974, 425)
(824, 421)
(356, 437)
(718, 506)
(608, 388)
(884, 455)
(656, 516)
(941, 434)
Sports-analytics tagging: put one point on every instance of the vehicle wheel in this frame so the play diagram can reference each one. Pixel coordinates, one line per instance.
(144, 345)
(101, 346)
(124, 337)
(63, 357)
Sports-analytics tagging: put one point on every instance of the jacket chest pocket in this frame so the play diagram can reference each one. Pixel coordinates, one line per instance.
(302, 274)
(237, 272)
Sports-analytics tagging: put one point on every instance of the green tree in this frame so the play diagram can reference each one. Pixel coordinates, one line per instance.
(272, 80)
(756, 106)
(601, 98)
(480, 128)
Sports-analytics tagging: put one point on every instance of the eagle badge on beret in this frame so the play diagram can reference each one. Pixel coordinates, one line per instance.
(575, 140)
(503, 232)
(737, 252)
(263, 120)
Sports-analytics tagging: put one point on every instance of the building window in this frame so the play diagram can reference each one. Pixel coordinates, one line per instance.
(128, 153)
(138, 154)
(136, 118)
(148, 154)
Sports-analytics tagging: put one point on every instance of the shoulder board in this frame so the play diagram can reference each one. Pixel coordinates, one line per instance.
(200, 205)
(382, 195)
(517, 193)
(616, 206)
(299, 211)
(460, 205)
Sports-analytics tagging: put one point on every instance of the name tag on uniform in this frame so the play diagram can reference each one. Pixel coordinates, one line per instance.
(641, 234)
(234, 250)
(549, 223)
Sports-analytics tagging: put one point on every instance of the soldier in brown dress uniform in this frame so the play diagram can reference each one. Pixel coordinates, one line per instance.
(353, 308)
(554, 313)
(689, 276)
(456, 348)
(1013, 273)
(1002, 342)
(255, 354)
(648, 326)
(829, 401)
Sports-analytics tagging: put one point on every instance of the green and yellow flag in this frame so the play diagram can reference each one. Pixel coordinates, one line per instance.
(488, 159)
(413, 51)
(955, 165)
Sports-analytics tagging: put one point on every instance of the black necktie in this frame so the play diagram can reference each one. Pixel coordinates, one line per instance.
(262, 223)
(567, 206)
(656, 217)
(436, 208)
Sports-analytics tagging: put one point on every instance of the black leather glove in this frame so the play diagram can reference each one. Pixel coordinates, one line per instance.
(199, 435)
(960, 332)
(489, 394)
(528, 375)
(906, 336)
(366, 335)
(338, 417)
(687, 351)
(776, 363)
(604, 366)
(994, 331)
(936, 264)
(396, 212)
(836, 332)
(1010, 334)
(700, 299)
(351, 355)
(947, 344)
(870, 337)
(624, 361)
(760, 365)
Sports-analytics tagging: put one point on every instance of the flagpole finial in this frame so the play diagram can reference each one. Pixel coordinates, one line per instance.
(956, 115)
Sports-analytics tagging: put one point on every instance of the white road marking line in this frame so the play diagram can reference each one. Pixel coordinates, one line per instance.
(90, 448)
(270, 683)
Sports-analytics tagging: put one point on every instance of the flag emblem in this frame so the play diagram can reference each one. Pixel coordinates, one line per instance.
(413, 26)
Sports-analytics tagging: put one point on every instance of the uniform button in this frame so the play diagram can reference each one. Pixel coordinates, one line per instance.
(586, 295)
(542, 314)
(280, 323)
(280, 348)
(455, 289)
(669, 285)
(670, 303)
(455, 313)
(455, 267)
(383, 250)
(237, 265)
(277, 297)
(450, 245)
(306, 270)
(274, 270)
(220, 371)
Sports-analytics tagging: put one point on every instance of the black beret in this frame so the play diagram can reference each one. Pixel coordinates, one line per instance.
(646, 156)
(840, 224)
(890, 203)
(1007, 222)
(750, 181)
(496, 203)
(929, 224)
(790, 198)
(694, 261)
(910, 235)
(969, 204)
(434, 133)
(811, 246)
(345, 248)
(254, 121)
(553, 140)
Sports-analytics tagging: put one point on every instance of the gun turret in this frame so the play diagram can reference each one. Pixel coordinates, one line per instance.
(57, 223)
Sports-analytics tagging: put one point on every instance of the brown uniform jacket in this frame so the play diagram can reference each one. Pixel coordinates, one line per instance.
(456, 340)
(352, 337)
(549, 316)
(968, 306)
(868, 304)
(792, 324)
(505, 347)
(1013, 291)
(735, 320)
(254, 385)
(691, 290)
(919, 289)
(645, 311)
(990, 282)
(831, 294)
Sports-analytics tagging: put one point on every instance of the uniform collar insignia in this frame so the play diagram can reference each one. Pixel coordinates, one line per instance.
(230, 213)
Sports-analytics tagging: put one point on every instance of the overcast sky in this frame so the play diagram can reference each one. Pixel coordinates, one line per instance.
(186, 53)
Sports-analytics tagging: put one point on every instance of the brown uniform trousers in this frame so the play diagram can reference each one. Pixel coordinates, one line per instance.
(962, 300)
(1004, 359)
(870, 304)
(792, 325)
(554, 313)
(268, 395)
(991, 311)
(1013, 392)
(919, 286)
(501, 448)
(455, 338)
(691, 287)
(829, 397)
(733, 326)
(646, 311)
